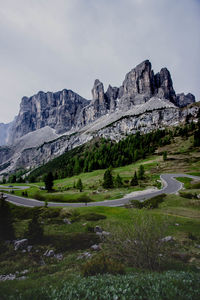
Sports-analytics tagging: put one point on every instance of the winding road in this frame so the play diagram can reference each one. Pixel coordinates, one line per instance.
(170, 186)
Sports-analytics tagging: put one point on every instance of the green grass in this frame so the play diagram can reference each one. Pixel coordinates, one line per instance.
(63, 278)
(92, 184)
(187, 181)
(168, 285)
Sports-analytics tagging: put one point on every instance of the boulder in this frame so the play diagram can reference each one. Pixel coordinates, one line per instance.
(59, 256)
(20, 244)
(95, 247)
(49, 253)
(67, 221)
(97, 229)
(29, 248)
(84, 255)
(167, 239)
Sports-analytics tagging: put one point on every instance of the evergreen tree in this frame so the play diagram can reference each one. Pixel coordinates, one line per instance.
(135, 157)
(134, 180)
(6, 220)
(77, 168)
(35, 230)
(165, 155)
(79, 185)
(197, 138)
(141, 172)
(108, 179)
(48, 181)
(118, 181)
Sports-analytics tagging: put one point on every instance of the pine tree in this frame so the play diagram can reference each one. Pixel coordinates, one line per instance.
(77, 168)
(79, 185)
(48, 181)
(134, 180)
(6, 220)
(141, 172)
(197, 138)
(118, 181)
(165, 155)
(108, 179)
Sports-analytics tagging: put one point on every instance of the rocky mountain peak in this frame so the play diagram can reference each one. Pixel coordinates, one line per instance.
(164, 85)
(98, 91)
(66, 111)
(58, 110)
(139, 80)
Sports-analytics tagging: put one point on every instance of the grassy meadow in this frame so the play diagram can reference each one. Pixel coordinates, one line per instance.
(177, 276)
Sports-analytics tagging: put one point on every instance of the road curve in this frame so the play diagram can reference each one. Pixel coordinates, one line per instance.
(170, 186)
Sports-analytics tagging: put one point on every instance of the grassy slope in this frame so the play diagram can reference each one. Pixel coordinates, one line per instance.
(176, 209)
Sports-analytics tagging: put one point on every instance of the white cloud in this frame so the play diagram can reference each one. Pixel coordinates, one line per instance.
(51, 45)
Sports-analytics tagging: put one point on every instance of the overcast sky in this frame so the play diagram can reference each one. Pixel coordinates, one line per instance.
(50, 45)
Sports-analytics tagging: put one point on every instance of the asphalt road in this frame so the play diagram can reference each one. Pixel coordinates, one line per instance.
(170, 186)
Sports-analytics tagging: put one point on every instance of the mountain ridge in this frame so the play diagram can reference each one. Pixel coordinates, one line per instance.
(147, 101)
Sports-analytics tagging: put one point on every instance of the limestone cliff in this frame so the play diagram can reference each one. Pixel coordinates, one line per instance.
(50, 123)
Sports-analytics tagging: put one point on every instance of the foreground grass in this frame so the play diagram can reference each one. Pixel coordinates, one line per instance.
(62, 279)
(168, 285)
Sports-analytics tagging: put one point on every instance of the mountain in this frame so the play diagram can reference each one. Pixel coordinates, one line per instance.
(48, 124)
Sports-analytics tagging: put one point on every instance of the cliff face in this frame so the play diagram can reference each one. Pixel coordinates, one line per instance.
(66, 110)
(57, 110)
(138, 87)
(145, 101)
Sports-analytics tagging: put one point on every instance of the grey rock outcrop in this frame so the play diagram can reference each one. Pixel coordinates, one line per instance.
(183, 100)
(164, 86)
(20, 244)
(48, 124)
(57, 110)
(138, 86)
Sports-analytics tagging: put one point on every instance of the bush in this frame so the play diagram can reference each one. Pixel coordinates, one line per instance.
(84, 199)
(73, 241)
(149, 203)
(196, 185)
(101, 265)
(93, 217)
(75, 215)
(139, 245)
(188, 195)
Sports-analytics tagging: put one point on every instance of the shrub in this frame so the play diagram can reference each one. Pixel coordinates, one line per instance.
(139, 245)
(101, 265)
(137, 204)
(84, 199)
(75, 215)
(93, 217)
(196, 185)
(149, 203)
(188, 195)
(154, 201)
(74, 241)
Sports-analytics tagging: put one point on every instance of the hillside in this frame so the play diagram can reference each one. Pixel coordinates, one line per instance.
(67, 273)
